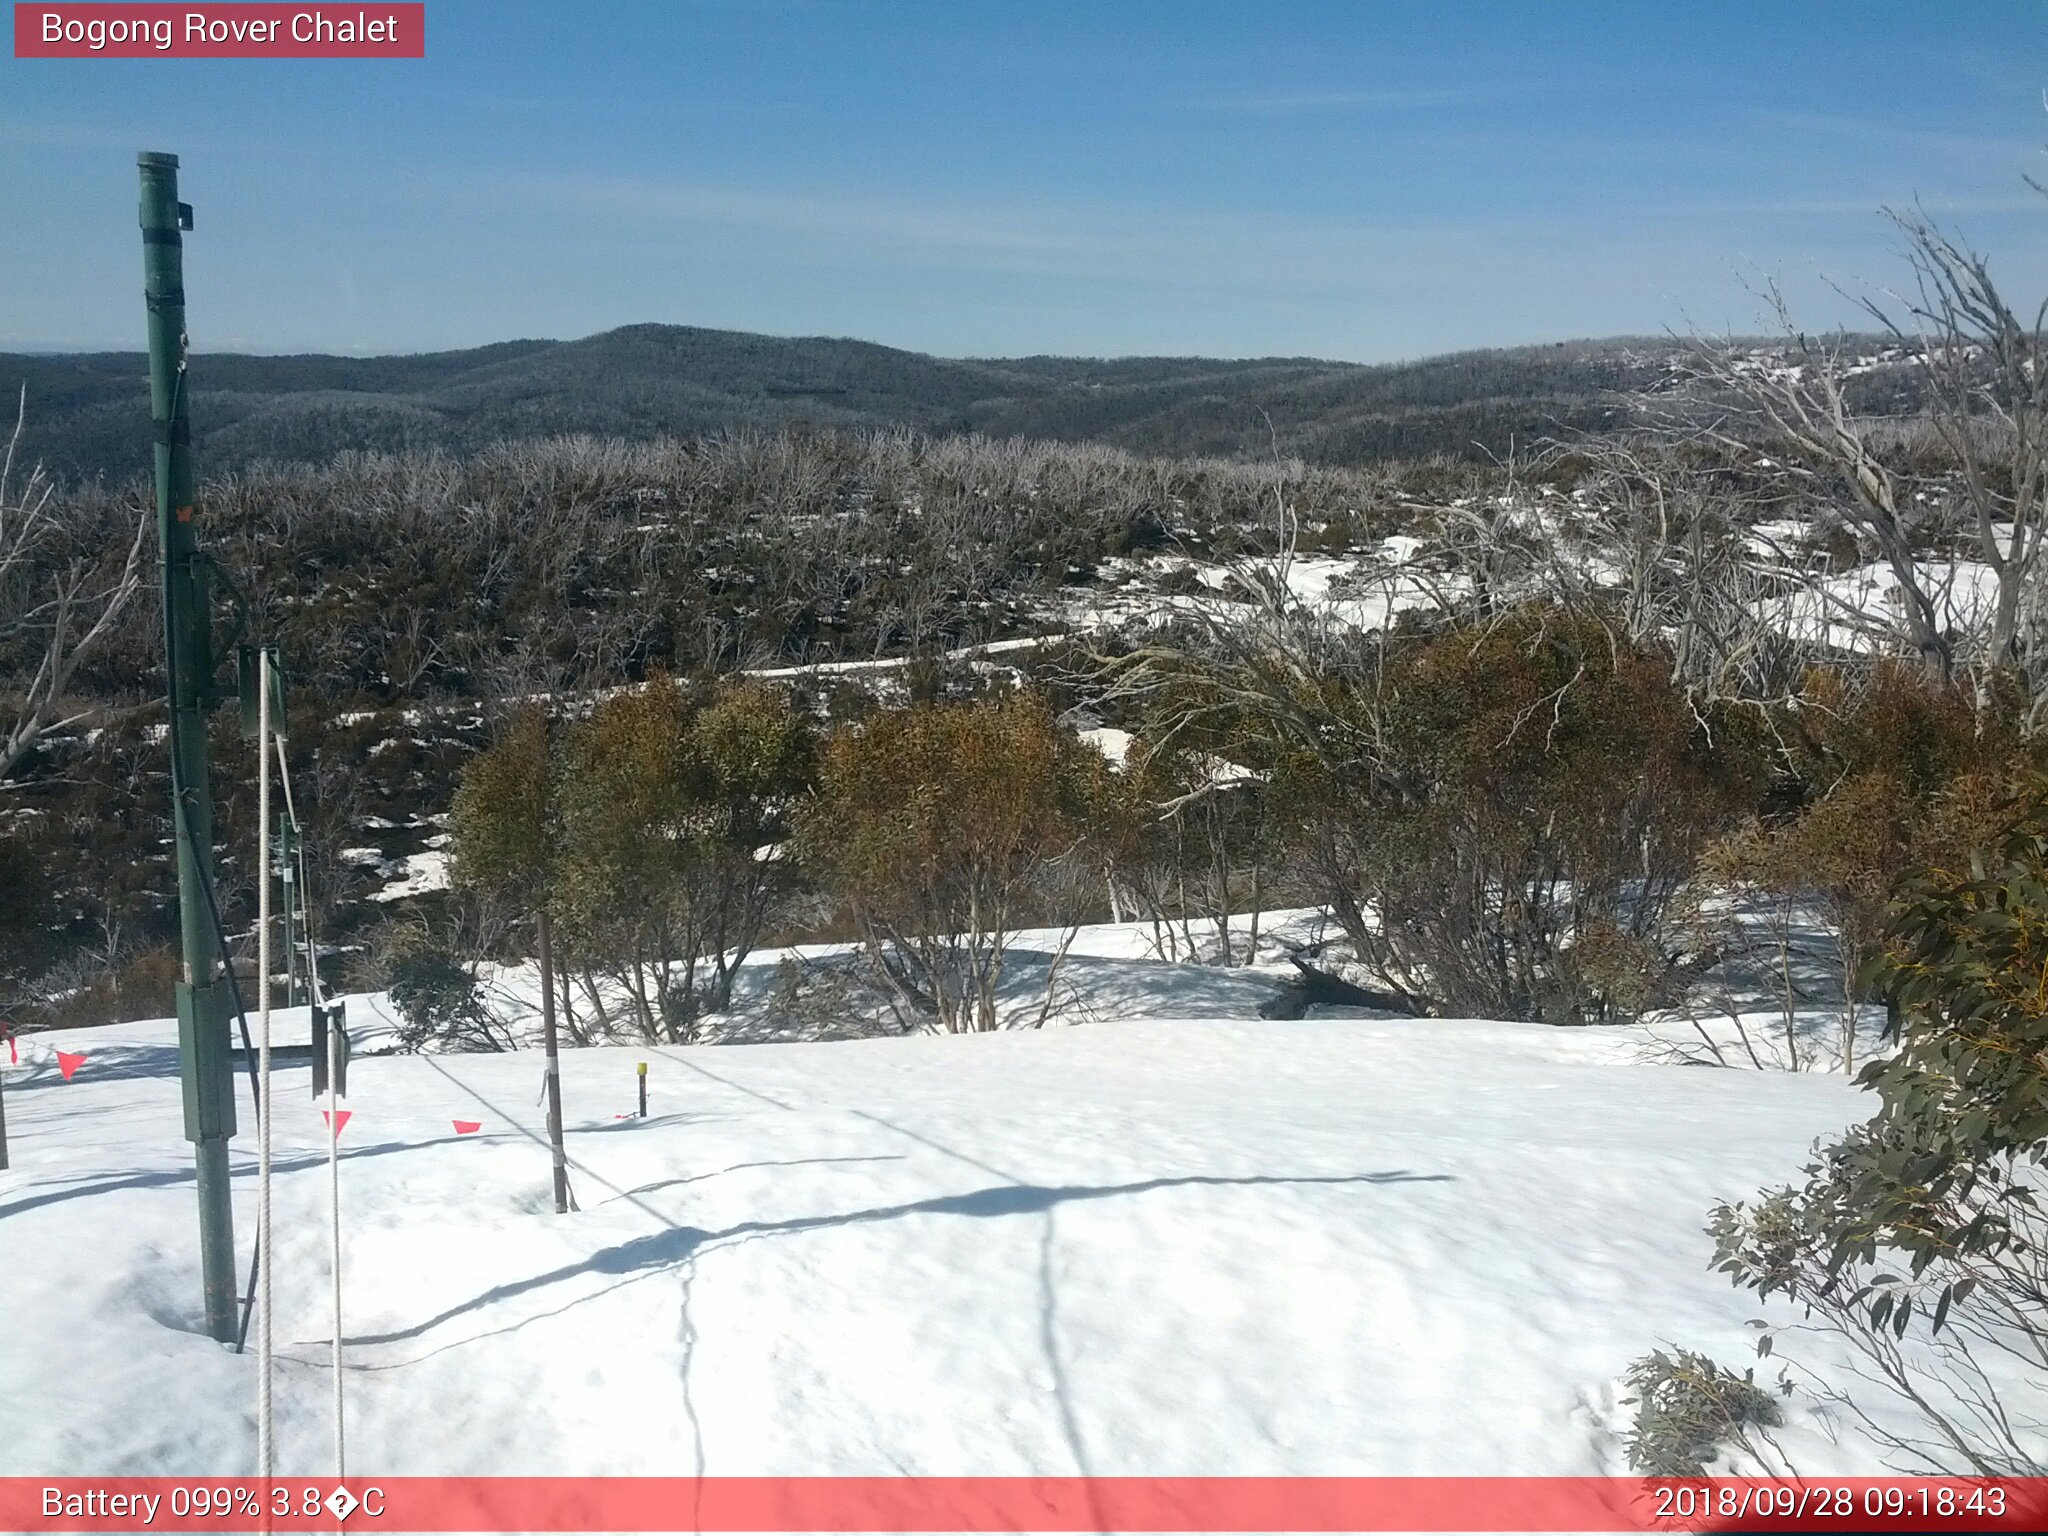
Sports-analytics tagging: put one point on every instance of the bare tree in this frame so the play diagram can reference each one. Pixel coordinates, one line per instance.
(57, 604)
(1984, 400)
(1660, 546)
(1801, 408)
(1981, 366)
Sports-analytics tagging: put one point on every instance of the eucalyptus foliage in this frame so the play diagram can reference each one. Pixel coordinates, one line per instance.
(1930, 1210)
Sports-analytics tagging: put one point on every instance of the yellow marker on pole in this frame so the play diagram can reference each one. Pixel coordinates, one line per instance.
(643, 1090)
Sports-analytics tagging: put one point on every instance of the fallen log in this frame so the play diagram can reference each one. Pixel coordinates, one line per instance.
(1317, 987)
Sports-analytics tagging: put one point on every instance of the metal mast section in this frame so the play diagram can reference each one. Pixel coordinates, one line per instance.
(204, 1054)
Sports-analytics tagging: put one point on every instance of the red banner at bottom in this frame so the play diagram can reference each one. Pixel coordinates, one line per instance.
(1051, 1504)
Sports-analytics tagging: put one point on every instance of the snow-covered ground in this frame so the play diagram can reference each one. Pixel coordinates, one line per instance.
(1861, 611)
(1144, 1244)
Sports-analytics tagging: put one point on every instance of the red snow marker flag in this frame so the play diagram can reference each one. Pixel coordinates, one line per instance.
(339, 1118)
(467, 1127)
(68, 1063)
(13, 1053)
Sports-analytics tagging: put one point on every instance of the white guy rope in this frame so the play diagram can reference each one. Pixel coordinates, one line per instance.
(265, 1451)
(291, 812)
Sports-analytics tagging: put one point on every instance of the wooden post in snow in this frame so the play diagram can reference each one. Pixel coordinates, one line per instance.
(554, 1054)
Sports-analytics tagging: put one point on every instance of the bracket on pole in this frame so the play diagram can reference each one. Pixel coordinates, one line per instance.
(330, 1019)
(203, 1042)
(248, 684)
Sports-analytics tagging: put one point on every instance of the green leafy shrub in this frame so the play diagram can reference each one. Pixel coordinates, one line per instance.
(1887, 770)
(652, 831)
(1929, 1211)
(1689, 1411)
(937, 826)
(440, 1004)
(1511, 814)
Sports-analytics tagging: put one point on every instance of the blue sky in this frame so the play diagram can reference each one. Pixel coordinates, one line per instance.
(997, 177)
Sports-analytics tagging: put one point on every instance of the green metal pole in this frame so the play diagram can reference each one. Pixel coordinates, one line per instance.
(204, 1055)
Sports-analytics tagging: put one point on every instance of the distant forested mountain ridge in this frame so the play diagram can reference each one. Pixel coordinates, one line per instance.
(88, 412)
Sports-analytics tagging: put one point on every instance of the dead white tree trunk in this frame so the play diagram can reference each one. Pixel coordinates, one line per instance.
(1978, 367)
(55, 605)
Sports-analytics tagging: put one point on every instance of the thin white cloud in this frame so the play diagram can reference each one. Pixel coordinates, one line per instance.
(1894, 135)
(1288, 103)
(2022, 201)
(1152, 247)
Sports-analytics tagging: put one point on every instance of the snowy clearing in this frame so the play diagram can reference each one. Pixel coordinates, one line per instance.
(1162, 1246)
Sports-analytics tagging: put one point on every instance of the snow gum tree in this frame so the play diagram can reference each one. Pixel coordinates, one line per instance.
(937, 826)
(1884, 769)
(750, 756)
(1187, 831)
(655, 832)
(504, 825)
(1505, 818)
